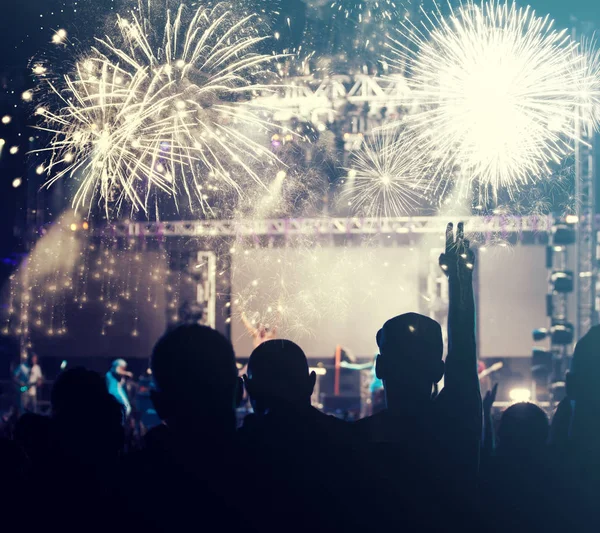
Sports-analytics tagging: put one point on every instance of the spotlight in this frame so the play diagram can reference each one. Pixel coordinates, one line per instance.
(562, 333)
(17, 182)
(563, 281)
(564, 234)
(571, 219)
(519, 395)
(6, 119)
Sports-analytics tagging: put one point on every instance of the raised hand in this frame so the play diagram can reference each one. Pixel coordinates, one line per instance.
(458, 260)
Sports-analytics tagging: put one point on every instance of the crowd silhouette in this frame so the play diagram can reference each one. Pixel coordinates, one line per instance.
(429, 461)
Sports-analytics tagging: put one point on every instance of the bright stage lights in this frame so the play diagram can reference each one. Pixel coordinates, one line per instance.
(17, 182)
(518, 395)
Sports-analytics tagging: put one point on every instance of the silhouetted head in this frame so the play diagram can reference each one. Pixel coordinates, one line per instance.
(33, 360)
(87, 419)
(278, 375)
(195, 378)
(583, 379)
(410, 360)
(32, 432)
(523, 430)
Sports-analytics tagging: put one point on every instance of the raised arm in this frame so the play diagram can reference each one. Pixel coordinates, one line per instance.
(458, 263)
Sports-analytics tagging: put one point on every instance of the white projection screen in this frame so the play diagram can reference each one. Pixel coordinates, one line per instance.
(333, 295)
(512, 299)
(378, 283)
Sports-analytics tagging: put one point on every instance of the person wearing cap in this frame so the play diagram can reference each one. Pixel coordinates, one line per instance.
(115, 383)
(433, 440)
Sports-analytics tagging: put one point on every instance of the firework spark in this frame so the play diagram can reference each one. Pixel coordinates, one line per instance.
(386, 177)
(148, 112)
(496, 93)
(587, 75)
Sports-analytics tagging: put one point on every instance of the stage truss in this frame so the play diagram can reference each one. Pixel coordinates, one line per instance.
(493, 225)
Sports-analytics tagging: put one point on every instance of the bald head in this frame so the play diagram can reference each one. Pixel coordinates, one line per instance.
(278, 372)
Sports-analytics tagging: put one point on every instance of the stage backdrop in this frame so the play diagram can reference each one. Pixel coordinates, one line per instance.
(343, 295)
(323, 296)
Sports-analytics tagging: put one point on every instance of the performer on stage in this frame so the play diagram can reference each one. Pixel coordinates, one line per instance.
(28, 377)
(115, 382)
(259, 333)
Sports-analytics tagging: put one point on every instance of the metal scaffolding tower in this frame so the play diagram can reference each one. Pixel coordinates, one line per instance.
(586, 271)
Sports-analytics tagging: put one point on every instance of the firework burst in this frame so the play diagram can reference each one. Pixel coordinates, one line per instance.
(496, 93)
(148, 112)
(386, 177)
(587, 76)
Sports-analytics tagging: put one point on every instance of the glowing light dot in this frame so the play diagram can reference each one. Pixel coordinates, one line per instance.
(27, 96)
(16, 183)
(14, 150)
(2, 143)
(39, 170)
(6, 119)
(59, 37)
(68, 157)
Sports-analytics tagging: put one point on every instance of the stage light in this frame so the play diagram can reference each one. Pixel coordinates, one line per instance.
(571, 219)
(539, 334)
(85, 226)
(563, 234)
(39, 170)
(27, 96)
(14, 150)
(563, 281)
(563, 334)
(16, 183)
(2, 143)
(73, 227)
(6, 119)
(63, 365)
(519, 395)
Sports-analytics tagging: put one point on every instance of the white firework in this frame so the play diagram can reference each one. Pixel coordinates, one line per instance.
(587, 76)
(496, 92)
(147, 111)
(386, 177)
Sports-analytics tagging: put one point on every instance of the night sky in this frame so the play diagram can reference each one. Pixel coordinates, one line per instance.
(27, 29)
